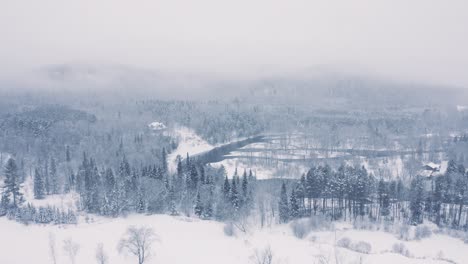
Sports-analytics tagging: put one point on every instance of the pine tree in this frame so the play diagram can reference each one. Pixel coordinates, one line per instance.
(294, 205)
(283, 205)
(180, 176)
(208, 210)
(39, 191)
(12, 186)
(67, 154)
(226, 188)
(192, 180)
(4, 203)
(202, 175)
(417, 200)
(164, 161)
(251, 176)
(244, 184)
(234, 195)
(172, 201)
(199, 206)
(180, 168)
(111, 193)
(54, 182)
(46, 177)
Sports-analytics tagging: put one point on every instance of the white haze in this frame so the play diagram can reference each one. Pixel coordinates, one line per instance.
(418, 40)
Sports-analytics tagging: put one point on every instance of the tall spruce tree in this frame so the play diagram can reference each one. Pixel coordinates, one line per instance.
(294, 205)
(46, 177)
(234, 195)
(164, 161)
(67, 154)
(39, 191)
(54, 181)
(417, 200)
(283, 205)
(12, 183)
(199, 206)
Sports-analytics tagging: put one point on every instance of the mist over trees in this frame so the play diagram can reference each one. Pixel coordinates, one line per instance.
(104, 152)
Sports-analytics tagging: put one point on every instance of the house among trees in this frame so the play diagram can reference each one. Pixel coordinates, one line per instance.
(157, 126)
(430, 169)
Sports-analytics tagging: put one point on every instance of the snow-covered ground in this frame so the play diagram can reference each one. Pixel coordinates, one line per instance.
(188, 142)
(290, 156)
(187, 240)
(61, 201)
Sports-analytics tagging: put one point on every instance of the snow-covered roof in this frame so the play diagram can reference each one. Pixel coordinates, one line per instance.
(157, 126)
(462, 108)
(432, 166)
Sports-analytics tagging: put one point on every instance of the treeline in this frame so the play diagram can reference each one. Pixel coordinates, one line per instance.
(12, 202)
(193, 189)
(345, 193)
(350, 192)
(43, 215)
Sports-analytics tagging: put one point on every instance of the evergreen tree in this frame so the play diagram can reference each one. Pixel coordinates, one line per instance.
(234, 196)
(251, 176)
(12, 186)
(283, 205)
(180, 168)
(46, 177)
(417, 200)
(39, 191)
(54, 181)
(294, 205)
(192, 180)
(226, 188)
(202, 175)
(208, 209)
(164, 161)
(67, 154)
(437, 199)
(198, 206)
(111, 193)
(244, 184)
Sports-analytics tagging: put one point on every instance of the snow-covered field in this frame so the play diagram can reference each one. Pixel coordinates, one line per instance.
(61, 201)
(290, 156)
(187, 240)
(188, 142)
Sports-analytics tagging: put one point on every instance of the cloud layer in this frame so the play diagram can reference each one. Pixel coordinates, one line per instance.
(412, 40)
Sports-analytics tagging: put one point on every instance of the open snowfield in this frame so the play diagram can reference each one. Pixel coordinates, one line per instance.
(188, 142)
(61, 201)
(191, 240)
(187, 240)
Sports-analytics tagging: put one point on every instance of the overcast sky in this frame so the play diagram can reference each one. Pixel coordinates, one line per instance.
(418, 40)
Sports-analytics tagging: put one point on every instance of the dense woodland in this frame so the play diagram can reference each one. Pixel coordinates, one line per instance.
(117, 166)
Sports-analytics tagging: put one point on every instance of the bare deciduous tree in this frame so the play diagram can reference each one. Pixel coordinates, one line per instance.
(101, 255)
(138, 241)
(71, 249)
(264, 256)
(52, 251)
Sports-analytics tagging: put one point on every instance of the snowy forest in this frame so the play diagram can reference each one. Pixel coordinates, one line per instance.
(70, 164)
(233, 132)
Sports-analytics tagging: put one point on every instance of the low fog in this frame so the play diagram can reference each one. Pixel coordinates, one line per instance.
(197, 44)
